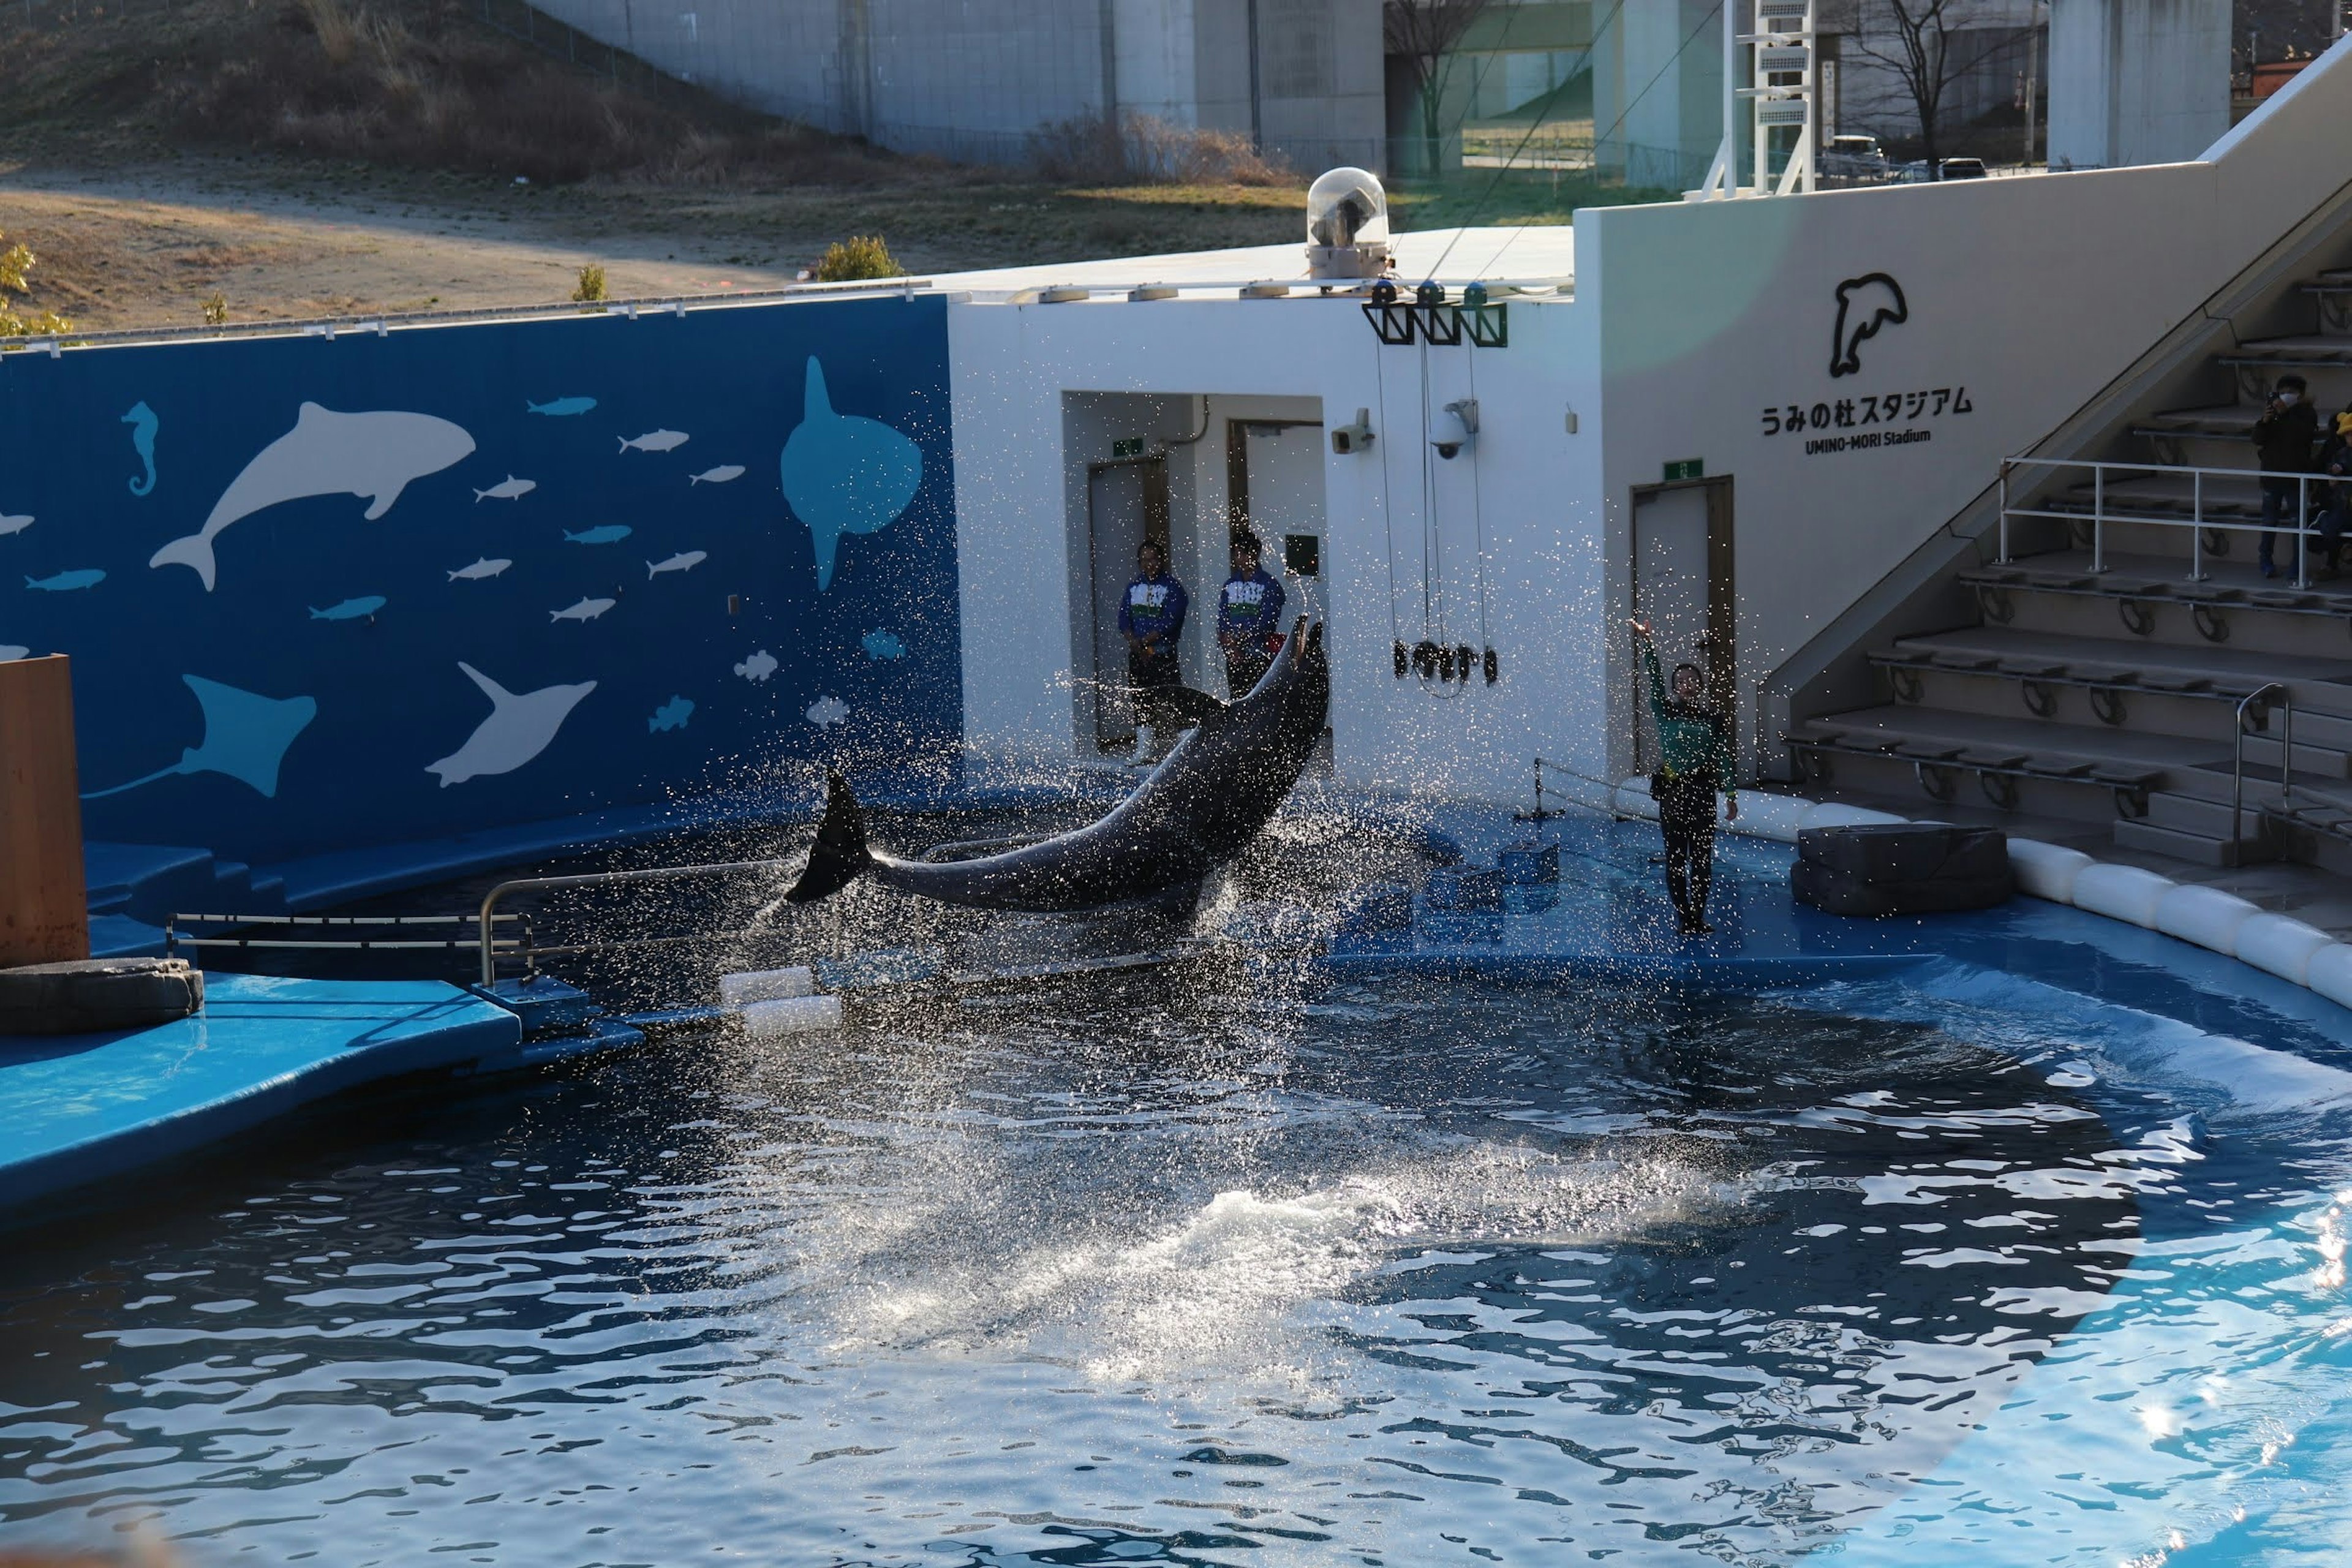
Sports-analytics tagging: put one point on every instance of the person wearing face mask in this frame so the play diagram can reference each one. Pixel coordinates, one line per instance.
(1693, 762)
(2282, 437)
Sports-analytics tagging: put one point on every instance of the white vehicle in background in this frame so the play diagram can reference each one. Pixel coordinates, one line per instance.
(1853, 161)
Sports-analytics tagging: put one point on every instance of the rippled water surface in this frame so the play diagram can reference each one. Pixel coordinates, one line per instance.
(1200, 1270)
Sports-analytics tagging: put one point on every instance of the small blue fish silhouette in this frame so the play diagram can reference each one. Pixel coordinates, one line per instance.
(883, 645)
(561, 407)
(351, 609)
(610, 533)
(144, 424)
(65, 582)
(671, 715)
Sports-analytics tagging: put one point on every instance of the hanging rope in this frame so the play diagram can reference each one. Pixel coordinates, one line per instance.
(1387, 521)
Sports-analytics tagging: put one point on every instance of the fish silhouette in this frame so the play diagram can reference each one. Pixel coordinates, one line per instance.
(655, 441)
(375, 455)
(609, 534)
(17, 524)
(561, 407)
(845, 474)
(143, 425)
(883, 645)
(10, 652)
(245, 737)
(585, 610)
(671, 715)
(520, 727)
(718, 476)
(67, 581)
(351, 609)
(827, 712)
(479, 570)
(685, 560)
(758, 667)
(508, 489)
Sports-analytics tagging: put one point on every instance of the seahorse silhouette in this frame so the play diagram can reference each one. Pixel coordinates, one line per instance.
(1864, 304)
(143, 423)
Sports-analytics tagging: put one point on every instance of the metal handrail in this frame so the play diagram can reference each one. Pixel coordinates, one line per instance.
(599, 878)
(2196, 521)
(2238, 756)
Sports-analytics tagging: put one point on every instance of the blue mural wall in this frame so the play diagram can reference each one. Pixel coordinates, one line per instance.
(321, 593)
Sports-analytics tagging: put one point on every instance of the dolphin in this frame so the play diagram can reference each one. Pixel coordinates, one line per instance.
(1864, 304)
(845, 474)
(17, 524)
(519, 729)
(1199, 807)
(374, 455)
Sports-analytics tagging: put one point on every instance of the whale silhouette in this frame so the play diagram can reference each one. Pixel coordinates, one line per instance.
(1864, 304)
(845, 474)
(17, 524)
(144, 424)
(10, 652)
(520, 727)
(245, 737)
(374, 455)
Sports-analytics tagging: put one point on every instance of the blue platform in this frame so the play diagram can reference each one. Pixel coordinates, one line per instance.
(76, 1109)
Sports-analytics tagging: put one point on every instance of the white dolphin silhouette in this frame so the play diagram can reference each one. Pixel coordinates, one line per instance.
(326, 454)
(519, 729)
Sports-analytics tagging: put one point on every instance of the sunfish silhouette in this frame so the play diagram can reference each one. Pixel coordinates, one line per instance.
(143, 423)
(327, 454)
(1864, 304)
(520, 727)
(845, 474)
(245, 737)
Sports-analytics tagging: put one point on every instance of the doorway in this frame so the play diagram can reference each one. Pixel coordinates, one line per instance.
(1276, 481)
(1682, 585)
(1127, 503)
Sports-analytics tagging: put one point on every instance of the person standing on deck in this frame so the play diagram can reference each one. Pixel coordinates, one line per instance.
(1694, 762)
(2282, 439)
(1151, 618)
(1249, 617)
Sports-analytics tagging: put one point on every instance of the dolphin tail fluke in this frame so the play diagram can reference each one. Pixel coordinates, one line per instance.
(839, 855)
(195, 552)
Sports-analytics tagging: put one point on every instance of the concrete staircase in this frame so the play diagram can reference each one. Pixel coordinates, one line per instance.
(2120, 689)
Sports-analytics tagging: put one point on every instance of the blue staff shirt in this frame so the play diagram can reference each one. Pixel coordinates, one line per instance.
(1251, 606)
(1154, 607)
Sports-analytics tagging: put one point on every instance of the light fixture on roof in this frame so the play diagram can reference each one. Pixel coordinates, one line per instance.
(1347, 226)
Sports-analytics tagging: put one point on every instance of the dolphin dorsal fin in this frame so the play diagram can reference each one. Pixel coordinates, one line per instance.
(310, 411)
(498, 695)
(815, 401)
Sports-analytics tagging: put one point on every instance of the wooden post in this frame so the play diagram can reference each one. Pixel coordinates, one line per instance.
(44, 906)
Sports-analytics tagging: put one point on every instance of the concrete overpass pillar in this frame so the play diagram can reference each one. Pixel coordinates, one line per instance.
(1657, 91)
(2136, 81)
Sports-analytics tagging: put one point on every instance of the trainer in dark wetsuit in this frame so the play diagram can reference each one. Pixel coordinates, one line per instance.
(1249, 617)
(1694, 762)
(1151, 617)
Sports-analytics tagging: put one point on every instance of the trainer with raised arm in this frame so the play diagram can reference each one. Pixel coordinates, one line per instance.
(1695, 761)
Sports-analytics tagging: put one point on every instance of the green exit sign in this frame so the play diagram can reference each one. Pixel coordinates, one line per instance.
(1130, 447)
(1689, 469)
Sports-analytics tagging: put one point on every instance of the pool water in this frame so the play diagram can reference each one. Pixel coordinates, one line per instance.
(1218, 1265)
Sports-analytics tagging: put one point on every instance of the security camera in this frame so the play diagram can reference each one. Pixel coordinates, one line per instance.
(1456, 426)
(1347, 439)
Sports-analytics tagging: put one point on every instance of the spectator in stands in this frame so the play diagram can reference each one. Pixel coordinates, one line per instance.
(2335, 499)
(1151, 618)
(2282, 439)
(1249, 616)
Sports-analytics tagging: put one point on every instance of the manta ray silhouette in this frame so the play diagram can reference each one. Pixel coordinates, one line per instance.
(1864, 304)
(374, 455)
(845, 474)
(245, 737)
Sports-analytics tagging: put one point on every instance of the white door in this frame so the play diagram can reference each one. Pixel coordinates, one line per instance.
(1285, 504)
(1114, 516)
(1669, 588)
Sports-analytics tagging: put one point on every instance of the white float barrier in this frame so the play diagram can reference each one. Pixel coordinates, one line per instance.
(2201, 916)
(766, 985)
(792, 1016)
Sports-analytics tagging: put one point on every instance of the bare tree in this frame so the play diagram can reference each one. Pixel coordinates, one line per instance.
(1926, 45)
(1424, 34)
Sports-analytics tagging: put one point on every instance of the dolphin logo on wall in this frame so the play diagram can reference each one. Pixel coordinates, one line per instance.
(245, 737)
(520, 727)
(374, 455)
(845, 474)
(1864, 304)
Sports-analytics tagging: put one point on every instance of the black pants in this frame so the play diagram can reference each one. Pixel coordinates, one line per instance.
(1687, 816)
(1152, 676)
(1242, 667)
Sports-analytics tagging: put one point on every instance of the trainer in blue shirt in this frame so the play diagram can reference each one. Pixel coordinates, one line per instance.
(1151, 616)
(1249, 617)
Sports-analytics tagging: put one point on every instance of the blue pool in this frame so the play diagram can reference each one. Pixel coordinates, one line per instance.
(2023, 1245)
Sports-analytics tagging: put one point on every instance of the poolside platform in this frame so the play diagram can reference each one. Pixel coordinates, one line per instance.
(83, 1108)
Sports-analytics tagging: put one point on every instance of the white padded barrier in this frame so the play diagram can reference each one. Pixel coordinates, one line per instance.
(766, 985)
(792, 1016)
(1631, 798)
(2121, 892)
(1845, 816)
(2331, 972)
(1774, 817)
(2046, 870)
(2205, 916)
(2280, 945)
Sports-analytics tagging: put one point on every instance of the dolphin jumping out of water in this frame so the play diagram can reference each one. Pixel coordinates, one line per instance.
(1218, 785)
(374, 455)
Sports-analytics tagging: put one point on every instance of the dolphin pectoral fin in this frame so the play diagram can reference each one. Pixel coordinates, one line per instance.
(498, 695)
(839, 855)
(383, 502)
(195, 552)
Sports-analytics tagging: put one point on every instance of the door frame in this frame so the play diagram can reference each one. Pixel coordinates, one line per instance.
(1720, 656)
(1157, 518)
